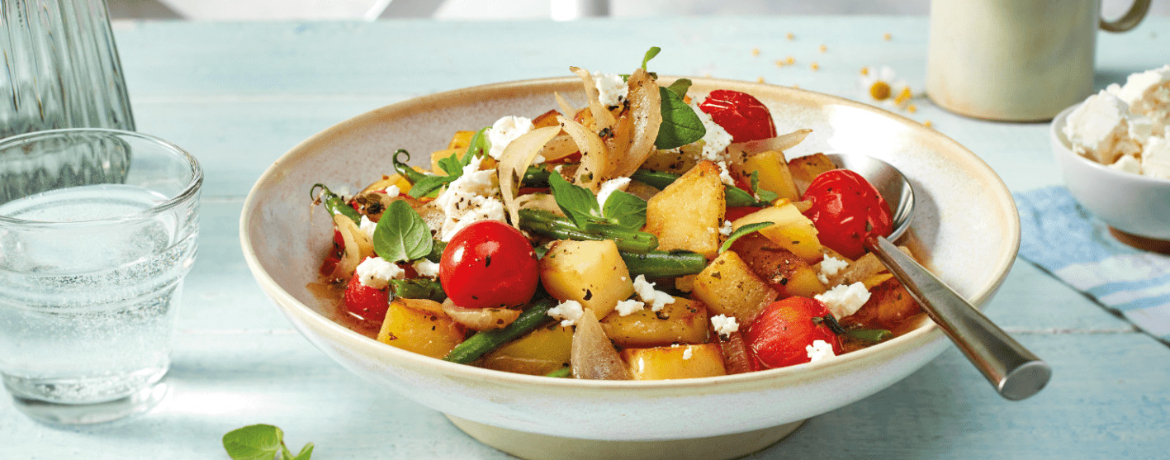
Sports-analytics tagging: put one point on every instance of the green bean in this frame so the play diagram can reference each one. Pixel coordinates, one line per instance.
(421, 288)
(659, 264)
(656, 179)
(535, 176)
(437, 248)
(405, 170)
(550, 225)
(561, 373)
(334, 203)
(484, 342)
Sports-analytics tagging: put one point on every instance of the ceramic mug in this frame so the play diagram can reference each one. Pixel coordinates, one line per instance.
(1016, 60)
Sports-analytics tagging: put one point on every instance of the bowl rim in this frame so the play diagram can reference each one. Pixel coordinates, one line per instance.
(1061, 144)
(864, 358)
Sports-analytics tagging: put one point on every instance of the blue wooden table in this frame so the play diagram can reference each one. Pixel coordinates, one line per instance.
(237, 96)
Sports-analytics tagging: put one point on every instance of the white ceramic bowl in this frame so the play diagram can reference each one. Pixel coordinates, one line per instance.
(965, 220)
(1135, 204)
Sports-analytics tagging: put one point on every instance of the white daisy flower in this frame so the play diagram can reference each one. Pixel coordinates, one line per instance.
(883, 85)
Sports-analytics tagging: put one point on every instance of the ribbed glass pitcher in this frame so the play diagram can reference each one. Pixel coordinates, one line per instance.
(61, 68)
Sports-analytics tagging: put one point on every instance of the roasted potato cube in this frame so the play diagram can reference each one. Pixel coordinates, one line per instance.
(805, 169)
(889, 304)
(688, 213)
(541, 351)
(784, 271)
(773, 173)
(425, 333)
(674, 161)
(590, 272)
(684, 321)
(729, 287)
(546, 119)
(792, 231)
(441, 154)
(683, 362)
(460, 141)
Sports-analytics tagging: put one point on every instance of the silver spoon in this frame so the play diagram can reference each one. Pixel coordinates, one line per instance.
(1014, 371)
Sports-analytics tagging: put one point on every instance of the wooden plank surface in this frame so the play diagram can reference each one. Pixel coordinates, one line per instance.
(239, 95)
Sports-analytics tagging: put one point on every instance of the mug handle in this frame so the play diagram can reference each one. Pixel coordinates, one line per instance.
(1131, 19)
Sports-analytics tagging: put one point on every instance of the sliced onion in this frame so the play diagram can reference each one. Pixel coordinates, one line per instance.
(601, 114)
(778, 143)
(594, 155)
(517, 156)
(423, 305)
(559, 147)
(481, 319)
(566, 109)
(646, 110)
(357, 247)
(592, 354)
(541, 201)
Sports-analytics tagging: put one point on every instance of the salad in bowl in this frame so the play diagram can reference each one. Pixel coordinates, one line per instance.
(650, 234)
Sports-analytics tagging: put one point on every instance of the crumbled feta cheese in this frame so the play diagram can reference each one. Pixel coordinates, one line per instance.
(611, 89)
(726, 228)
(1156, 158)
(470, 198)
(610, 186)
(1128, 163)
(645, 290)
(819, 350)
(506, 130)
(628, 307)
(844, 300)
(724, 325)
(367, 226)
(392, 191)
(426, 268)
(1148, 94)
(1103, 129)
(688, 353)
(725, 174)
(376, 272)
(716, 140)
(568, 312)
(830, 266)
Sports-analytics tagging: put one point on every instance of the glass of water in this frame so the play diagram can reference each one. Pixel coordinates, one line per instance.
(98, 227)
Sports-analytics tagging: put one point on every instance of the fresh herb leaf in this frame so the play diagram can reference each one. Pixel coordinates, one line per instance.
(741, 232)
(261, 442)
(762, 195)
(578, 203)
(625, 210)
(653, 51)
(680, 125)
(680, 87)
(452, 165)
(401, 235)
(429, 184)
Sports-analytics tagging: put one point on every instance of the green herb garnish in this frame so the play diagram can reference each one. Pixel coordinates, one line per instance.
(680, 87)
(261, 442)
(578, 203)
(741, 232)
(452, 165)
(762, 195)
(680, 125)
(650, 53)
(401, 235)
(625, 210)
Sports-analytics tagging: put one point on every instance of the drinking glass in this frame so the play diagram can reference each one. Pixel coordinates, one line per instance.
(98, 228)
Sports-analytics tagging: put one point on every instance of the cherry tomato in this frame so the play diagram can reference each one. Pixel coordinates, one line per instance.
(489, 264)
(846, 210)
(742, 115)
(364, 302)
(780, 335)
(735, 212)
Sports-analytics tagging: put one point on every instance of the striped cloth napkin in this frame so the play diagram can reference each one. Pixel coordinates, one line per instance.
(1060, 236)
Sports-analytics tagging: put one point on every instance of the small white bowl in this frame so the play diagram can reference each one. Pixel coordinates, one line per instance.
(1134, 204)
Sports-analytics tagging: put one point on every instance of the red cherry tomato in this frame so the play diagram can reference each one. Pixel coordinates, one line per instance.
(743, 116)
(366, 303)
(735, 212)
(780, 335)
(489, 264)
(846, 209)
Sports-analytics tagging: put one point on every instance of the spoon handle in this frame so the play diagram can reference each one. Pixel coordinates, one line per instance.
(1014, 371)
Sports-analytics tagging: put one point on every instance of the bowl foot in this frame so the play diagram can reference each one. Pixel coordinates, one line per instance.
(532, 446)
(1141, 242)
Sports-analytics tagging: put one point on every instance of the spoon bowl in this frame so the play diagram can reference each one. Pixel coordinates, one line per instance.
(1014, 371)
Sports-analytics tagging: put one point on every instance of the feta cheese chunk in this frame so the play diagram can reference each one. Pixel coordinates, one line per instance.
(628, 307)
(506, 130)
(830, 266)
(724, 325)
(726, 229)
(716, 140)
(1103, 129)
(688, 353)
(1156, 158)
(426, 268)
(367, 226)
(610, 186)
(1128, 163)
(645, 290)
(376, 272)
(568, 312)
(819, 350)
(844, 300)
(1148, 94)
(393, 191)
(612, 91)
(469, 199)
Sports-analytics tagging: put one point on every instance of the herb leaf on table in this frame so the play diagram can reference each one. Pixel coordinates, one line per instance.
(261, 442)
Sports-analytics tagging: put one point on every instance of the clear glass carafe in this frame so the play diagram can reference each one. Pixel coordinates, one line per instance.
(60, 67)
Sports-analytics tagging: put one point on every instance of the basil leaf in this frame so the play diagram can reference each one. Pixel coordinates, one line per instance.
(680, 87)
(452, 165)
(401, 235)
(578, 203)
(625, 210)
(680, 125)
(479, 146)
(429, 184)
(741, 232)
(762, 195)
(650, 53)
(306, 452)
(253, 442)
